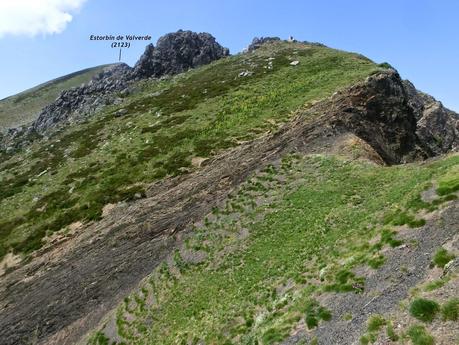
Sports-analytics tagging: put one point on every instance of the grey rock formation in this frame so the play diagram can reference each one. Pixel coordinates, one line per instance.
(178, 52)
(257, 42)
(436, 126)
(77, 103)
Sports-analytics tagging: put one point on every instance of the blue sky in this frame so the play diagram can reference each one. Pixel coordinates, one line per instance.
(418, 37)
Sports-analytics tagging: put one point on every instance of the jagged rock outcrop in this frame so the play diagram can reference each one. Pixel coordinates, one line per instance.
(257, 42)
(77, 103)
(174, 53)
(436, 126)
(177, 52)
(398, 121)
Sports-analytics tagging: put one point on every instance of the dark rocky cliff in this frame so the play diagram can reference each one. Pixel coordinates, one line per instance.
(399, 122)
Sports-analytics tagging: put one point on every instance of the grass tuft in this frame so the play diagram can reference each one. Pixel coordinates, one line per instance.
(448, 184)
(315, 313)
(399, 218)
(391, 332)
(424, 309)
(375, 323)
(450, 310)
(442, 257)
(419, 335)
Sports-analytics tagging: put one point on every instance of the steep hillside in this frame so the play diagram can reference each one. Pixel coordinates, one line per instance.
(292, 194)
(308, 248)
(159, 132)
(23, 108)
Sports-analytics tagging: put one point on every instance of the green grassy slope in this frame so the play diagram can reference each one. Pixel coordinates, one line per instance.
(22, 108)
(108, 159)
(251, 272)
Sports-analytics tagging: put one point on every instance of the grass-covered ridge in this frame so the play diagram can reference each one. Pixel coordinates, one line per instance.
(22, 108)
(254, 269)
(75, 173)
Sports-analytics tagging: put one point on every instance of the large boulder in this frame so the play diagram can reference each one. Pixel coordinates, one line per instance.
(178, 52)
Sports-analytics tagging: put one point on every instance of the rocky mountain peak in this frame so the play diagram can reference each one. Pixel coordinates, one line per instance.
(174, 53)
(177, 52)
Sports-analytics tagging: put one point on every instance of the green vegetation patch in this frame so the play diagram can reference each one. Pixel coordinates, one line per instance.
(265, 248)
(420, 336)
(424, 309)
(314, 313)
(442, 257)
(436, 284)
(375, 323)
(399, 217)
(450, 310)
(449, 184)
(391, 334)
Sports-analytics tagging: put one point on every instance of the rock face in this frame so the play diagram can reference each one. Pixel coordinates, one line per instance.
(436, 126)
(177, 52)
(399, 122)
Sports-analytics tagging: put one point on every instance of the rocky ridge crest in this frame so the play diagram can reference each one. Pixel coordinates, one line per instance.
(429, 129)
(174, 53)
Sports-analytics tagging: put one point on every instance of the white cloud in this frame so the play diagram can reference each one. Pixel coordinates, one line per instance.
(33, 17)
